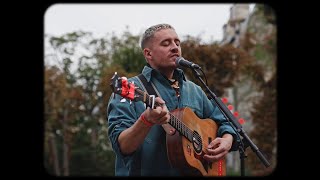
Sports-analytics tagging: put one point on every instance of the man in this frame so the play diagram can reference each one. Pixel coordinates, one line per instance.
(138, 135)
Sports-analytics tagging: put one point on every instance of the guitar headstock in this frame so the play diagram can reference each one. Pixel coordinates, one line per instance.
(121, 86)
(125, 89)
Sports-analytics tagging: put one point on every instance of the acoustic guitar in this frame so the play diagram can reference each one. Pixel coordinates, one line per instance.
(186, 148)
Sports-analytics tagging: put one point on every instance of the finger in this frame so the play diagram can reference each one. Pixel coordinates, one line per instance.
(159, 100)
(164, 112)
(216, 151)
(214, 144)
(158, 111)
(165, 108)
(164, 119)
(212, 158)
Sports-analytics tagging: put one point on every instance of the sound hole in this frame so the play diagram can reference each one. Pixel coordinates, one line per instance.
(197, 142)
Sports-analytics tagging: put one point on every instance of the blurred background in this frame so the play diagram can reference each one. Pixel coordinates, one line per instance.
(84, 44)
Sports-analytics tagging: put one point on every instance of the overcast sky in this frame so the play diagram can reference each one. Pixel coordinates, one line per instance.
(204, 20)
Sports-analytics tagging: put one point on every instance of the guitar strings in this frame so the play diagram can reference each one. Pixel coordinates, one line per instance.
(183, 127)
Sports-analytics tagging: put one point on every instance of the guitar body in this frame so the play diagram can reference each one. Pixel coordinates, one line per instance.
(186, 154)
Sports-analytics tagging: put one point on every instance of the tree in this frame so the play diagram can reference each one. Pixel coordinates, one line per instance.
(221, 64)
(80, 121)
(78, 69)
(127, 53)
(261, 43)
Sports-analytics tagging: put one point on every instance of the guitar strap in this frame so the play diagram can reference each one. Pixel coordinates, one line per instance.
(152, 90)
(147, 85)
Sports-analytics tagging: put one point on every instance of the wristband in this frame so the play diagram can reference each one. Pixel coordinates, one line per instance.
(146, 122)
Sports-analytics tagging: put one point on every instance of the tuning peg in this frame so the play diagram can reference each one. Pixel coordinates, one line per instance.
(129, 84)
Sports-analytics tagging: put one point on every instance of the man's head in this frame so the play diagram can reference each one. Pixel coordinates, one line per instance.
(161, 46)
(149, 33)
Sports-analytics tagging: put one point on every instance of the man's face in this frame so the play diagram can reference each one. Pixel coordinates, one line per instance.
(164, 49)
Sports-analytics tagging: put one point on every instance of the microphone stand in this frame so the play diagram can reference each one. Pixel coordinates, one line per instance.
(245, 141)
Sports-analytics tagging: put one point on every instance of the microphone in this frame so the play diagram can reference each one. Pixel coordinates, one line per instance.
(180, 61)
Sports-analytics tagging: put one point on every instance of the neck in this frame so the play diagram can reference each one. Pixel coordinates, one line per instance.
(168, 72)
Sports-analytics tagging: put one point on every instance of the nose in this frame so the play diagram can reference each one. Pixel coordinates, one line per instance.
(174, 48)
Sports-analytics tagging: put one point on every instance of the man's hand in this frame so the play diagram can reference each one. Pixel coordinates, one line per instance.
(159, 115)
(218, 148)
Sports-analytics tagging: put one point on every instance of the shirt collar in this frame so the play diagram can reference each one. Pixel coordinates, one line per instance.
(147, 72)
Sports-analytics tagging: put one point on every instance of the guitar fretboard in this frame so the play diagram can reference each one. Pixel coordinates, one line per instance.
(181, 127)
(174, 121)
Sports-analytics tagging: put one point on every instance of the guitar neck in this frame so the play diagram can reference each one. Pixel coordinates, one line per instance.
(174, 121)
(181, 127)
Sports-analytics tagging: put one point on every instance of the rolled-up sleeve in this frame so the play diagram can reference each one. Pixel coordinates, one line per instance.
(120, 116)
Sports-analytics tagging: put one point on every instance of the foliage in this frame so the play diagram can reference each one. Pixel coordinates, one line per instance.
(76, 97)
(264, 134)
(127, 53)
(260, 41)
(221, 65)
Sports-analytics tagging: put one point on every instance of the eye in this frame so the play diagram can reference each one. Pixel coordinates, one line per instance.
(165, 43)
(177, 42)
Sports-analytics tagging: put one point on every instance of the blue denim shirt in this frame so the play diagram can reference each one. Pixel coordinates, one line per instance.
(150, 159)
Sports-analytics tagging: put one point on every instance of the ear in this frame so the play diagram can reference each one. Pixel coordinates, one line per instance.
(147, 53)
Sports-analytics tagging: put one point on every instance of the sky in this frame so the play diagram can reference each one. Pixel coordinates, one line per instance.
(203, 20)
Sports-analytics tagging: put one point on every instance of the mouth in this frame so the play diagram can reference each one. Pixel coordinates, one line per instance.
(175, 56)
